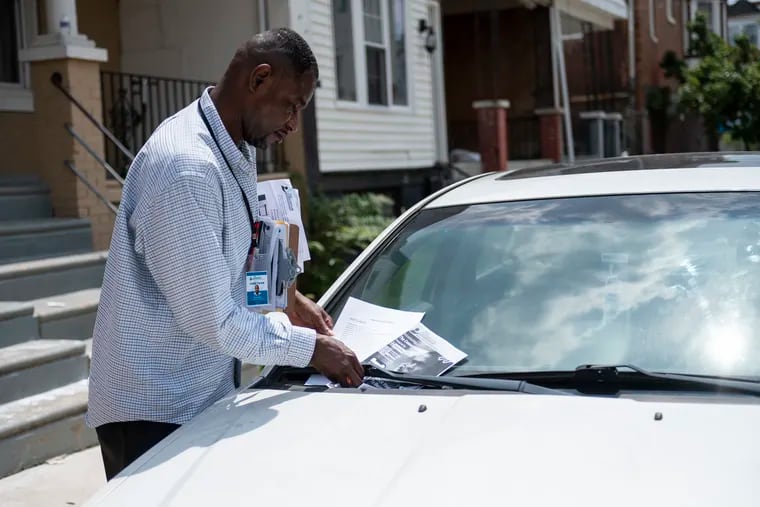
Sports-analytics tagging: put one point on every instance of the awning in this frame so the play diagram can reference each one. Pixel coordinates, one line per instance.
(601, 13)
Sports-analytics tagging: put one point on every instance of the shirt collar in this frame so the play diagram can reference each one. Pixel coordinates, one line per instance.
(240, 157)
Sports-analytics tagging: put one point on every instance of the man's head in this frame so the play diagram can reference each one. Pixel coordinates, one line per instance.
(271, 79)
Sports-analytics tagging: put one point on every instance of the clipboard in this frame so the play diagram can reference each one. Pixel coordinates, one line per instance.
(273, 267)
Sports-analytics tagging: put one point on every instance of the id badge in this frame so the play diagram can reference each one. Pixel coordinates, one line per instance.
(256, 288)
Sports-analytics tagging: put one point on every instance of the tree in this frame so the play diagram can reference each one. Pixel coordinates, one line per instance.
(722, 87)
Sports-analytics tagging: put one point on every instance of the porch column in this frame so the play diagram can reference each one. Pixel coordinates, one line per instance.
(492, 133)
(550, 128)
(63, 50)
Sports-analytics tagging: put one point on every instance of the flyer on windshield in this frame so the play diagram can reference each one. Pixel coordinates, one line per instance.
(419, 351)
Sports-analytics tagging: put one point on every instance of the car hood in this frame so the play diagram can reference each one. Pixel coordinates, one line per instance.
(402, 448)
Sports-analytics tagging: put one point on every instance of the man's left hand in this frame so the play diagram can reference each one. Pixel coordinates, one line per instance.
(306, 313)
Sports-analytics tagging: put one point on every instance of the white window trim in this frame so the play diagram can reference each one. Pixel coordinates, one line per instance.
(18, 97)
(360, 62)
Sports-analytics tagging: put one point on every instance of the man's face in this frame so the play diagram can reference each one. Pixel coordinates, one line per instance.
(272, 109)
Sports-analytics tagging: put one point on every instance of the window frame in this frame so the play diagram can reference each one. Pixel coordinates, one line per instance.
(360, 61)
(717, 16)
(18, 97)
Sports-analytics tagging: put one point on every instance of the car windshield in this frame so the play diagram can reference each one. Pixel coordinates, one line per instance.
(669, 282)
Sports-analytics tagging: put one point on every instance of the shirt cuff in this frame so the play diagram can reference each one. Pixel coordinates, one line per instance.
(301, 349)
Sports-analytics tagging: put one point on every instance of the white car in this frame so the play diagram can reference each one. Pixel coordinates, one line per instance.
(609, 312)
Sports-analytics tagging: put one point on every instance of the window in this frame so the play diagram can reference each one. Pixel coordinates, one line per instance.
(374, 42)
(712, 11)
(344, 50)
(10, 69)
(398, 51)
(370, 51)
(15, 18)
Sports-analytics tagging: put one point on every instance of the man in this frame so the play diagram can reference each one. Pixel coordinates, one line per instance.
(172, 315)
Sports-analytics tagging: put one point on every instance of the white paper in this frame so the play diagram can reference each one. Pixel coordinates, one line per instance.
(367, 328)
(278, 200)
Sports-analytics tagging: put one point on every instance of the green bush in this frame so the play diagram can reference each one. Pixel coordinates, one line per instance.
(338, 229)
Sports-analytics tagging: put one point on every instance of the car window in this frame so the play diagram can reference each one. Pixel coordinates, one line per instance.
(668, 282)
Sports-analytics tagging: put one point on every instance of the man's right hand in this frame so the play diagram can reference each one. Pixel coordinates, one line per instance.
(333, 359)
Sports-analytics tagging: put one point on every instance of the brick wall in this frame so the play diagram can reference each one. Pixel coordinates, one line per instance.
(70, 197)
(516, 66)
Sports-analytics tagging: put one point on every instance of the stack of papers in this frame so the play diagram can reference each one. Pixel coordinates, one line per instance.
(393, 340)
(279, 200)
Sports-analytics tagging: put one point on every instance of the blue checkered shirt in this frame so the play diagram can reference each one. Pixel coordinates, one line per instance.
(172, 312)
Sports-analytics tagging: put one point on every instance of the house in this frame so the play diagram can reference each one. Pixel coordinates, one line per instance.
(374, 123)
(83, 83)
(608, 65)
(744, 18)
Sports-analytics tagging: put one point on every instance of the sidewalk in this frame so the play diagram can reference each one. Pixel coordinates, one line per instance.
(61, 482)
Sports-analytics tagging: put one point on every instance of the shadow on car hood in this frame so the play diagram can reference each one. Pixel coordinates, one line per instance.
(396, 449)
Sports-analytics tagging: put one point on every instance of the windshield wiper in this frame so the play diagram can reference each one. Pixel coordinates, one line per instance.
(487, 384)
(609, 379)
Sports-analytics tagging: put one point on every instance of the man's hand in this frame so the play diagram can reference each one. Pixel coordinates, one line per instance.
(305, 313)
(337, 362)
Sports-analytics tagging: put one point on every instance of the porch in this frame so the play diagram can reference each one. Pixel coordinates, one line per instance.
(553, 65)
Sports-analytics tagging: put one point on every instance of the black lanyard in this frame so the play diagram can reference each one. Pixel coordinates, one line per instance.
(245, 197)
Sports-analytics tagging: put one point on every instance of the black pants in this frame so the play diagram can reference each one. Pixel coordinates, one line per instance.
(122, 443)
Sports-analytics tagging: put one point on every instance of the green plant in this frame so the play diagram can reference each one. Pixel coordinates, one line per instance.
(338, 230)
(722, 86)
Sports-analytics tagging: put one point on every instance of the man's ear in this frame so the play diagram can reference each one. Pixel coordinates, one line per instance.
(259, 76)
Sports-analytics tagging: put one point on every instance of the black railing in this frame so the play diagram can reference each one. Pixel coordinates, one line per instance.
(134, 105)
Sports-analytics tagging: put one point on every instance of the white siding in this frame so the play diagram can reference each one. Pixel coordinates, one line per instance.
(353, 137)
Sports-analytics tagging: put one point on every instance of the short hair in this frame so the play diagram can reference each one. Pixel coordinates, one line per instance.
(289, 44)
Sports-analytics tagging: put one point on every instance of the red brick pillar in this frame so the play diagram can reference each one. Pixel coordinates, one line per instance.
(492, 133)
(550, 127)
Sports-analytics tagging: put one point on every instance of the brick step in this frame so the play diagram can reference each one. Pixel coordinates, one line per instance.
(37, 366)
(24, 200)
(22, 240)
(23, 281)
(40, 427)
(68, 316)
(17, 323)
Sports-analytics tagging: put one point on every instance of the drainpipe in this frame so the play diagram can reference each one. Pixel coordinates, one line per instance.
(555, 25)
(631, 47)
(263, 24)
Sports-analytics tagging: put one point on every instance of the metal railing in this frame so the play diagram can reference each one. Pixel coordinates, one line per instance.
(134, 105)
(57, 80)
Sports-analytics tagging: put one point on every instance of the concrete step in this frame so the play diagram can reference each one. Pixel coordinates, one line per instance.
(40, 427)
(17, 323)
(23, 281)
(67, 316)
(24, 200)
(45, 237)
(37, 366)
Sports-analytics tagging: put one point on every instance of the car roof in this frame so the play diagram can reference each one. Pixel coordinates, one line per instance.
(693, 172)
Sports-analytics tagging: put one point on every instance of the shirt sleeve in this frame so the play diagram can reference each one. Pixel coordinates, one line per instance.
(180, 238)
